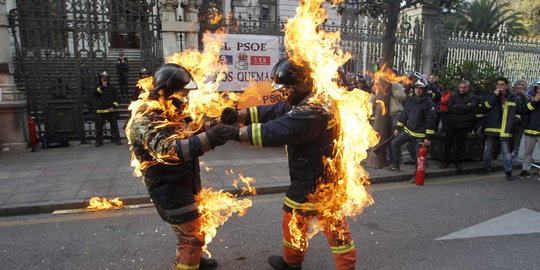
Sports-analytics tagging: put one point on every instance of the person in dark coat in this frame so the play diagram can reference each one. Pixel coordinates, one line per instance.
(415, 126)
(106, 105)
(461, 116)
(503, 108)
(531, 130)
(122, 70)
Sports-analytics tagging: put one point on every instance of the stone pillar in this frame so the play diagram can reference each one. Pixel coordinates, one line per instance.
(171, 26)
(12, 102)
(226, 8)
(428, 14)
(191, 9)
(168, 7)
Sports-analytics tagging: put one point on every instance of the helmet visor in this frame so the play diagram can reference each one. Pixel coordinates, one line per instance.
(277, 86)
(191, 85)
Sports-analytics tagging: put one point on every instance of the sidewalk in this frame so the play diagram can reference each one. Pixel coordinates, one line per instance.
(64, 178)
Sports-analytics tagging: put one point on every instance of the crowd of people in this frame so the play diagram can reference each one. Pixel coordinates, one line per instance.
(418, 109)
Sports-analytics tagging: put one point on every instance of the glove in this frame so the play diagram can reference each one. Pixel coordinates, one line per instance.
(220, 134)
(229, 116)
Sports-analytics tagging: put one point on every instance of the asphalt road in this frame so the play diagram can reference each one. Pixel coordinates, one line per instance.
(398, 232)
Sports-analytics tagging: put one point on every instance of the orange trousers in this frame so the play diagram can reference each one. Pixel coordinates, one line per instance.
(189, 243)
(339, 239)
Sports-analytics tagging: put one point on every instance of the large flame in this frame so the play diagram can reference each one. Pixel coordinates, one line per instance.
(215, 207)
(307, 43)
(97, 203)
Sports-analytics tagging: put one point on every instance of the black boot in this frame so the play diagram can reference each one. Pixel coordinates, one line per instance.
(207, 264)
(278, 263)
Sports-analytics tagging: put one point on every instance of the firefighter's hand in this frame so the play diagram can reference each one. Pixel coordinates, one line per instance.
(229, 116)
(427, 142)
(497, 92)
(396, 132)
(220, 134)
(111, 109)
(210, 124)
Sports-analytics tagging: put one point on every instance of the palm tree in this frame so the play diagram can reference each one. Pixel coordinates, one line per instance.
(486, 16)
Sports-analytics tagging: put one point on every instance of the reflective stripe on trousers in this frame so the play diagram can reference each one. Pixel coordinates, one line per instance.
(189, 243)
(340, 241)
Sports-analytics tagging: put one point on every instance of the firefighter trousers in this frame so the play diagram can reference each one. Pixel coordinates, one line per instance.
(339, 238)
(189, 243)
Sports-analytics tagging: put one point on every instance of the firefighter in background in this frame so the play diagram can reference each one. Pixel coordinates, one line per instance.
(416, 124)
(170, 160)
(503, 109)
(531, 131)
(143, 74)
(106, 105)
(308, 131)
(122, 70)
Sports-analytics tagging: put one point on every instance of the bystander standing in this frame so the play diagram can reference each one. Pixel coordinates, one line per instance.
(502, 105)
(531, 131)
(461, 115)
(106, 105)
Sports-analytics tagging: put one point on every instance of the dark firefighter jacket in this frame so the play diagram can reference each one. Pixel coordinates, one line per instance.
(532, 126)
(308, 131)
(462, 109)
(105, 98)
(521, 109)
(501, 116)
(418, 117)
(173, 175)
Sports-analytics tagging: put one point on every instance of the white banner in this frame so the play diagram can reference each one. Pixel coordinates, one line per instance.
(249, 58)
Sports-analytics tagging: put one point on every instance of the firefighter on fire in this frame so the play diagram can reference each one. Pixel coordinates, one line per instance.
(308, 132)
(172, 175)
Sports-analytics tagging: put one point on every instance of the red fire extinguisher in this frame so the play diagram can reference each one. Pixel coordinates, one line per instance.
(421, 165)
(32, 137)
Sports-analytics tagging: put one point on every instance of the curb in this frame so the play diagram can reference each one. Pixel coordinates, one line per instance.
(49, 207)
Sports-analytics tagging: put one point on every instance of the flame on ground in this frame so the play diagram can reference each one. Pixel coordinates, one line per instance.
(307, 43)
(216, 207)
(97, 203)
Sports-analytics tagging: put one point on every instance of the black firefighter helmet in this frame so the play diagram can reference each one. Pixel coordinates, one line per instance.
(292, 80)
(171, 78)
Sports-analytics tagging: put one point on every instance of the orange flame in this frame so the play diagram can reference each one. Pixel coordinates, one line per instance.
(216, 207)
(307, 43)
(96, 203)
(247, 180)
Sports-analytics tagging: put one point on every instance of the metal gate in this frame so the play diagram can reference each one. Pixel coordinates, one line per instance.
(60, 48)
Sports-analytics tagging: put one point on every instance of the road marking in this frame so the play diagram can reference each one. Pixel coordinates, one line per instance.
(521, 221)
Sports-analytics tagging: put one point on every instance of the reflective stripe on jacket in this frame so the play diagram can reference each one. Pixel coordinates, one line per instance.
(501, 115)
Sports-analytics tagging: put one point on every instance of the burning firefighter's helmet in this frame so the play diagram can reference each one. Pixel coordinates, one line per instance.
(292, 80)
(171, 78)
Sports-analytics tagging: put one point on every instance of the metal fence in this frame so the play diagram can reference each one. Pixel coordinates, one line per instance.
(516, 57)
(363, 39)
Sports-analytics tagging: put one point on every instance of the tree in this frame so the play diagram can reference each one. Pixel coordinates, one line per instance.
(486, 16)
(531, 11)
(389, 10)
(476, 72)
